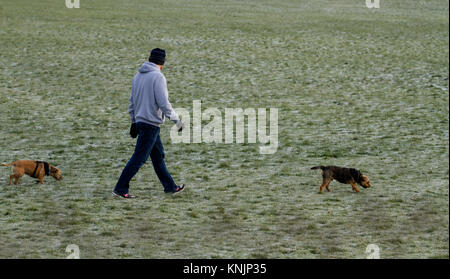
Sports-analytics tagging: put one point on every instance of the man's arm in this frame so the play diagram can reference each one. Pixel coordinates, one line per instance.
(162, 100)
(133, 128)
(131, 106)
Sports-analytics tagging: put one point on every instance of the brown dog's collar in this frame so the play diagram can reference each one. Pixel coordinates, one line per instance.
(46, 168)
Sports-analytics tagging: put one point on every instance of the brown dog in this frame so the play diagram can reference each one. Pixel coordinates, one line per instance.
(343, 175)
(35, 169)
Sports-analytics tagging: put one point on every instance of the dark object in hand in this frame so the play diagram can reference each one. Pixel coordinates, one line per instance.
(133, 130)
(180, 126)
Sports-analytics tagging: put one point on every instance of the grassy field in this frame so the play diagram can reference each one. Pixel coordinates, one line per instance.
(356, 87)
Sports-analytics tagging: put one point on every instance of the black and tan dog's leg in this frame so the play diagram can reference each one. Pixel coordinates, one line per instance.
(354, 187)
(325, 183)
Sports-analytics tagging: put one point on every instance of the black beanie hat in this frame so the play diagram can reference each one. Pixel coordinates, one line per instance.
(157, 56)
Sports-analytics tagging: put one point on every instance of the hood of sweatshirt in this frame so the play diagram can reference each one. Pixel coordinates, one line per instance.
(148, 67)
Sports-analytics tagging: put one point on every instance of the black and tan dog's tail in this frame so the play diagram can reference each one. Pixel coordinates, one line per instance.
(6, 165)
(318, 167)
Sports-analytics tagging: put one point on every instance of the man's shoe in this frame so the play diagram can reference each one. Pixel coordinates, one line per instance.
(123, 196)
(179, 189)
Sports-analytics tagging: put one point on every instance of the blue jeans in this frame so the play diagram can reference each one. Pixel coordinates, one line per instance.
(148, 144)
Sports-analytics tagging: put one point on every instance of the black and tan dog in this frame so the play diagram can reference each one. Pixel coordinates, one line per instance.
(35, 169)
(343, 175)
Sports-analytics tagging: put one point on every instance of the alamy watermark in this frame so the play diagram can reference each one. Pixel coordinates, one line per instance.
(373, 4)
(73, 250)
(233, 121)
(70, 4)
(372, 251)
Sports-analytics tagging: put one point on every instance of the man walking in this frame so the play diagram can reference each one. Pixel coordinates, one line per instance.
(149, 104)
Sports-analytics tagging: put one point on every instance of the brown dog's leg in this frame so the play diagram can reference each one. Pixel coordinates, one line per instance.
(18, 173)
(354, 187)
(16, 181)
(11, 178)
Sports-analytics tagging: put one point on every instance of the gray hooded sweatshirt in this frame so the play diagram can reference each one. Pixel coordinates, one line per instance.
(149, 100)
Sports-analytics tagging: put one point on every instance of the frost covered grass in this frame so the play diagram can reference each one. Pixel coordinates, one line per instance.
(355, 87)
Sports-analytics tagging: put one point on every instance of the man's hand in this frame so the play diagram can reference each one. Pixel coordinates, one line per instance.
(133, 130)
(180, 126)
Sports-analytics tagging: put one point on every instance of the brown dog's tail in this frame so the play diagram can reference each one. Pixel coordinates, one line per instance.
(6, 165)
(318, 167)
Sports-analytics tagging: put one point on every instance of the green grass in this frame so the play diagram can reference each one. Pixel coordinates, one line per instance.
(354, 87)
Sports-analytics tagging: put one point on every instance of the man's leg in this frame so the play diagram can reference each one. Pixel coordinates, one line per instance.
(146, 139)
(157, 156)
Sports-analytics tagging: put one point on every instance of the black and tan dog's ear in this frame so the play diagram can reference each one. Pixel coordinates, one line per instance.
(356, 174)
(365, 181)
